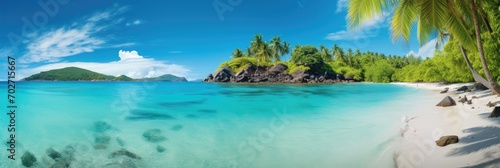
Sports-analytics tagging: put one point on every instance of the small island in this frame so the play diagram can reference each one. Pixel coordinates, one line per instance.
(262, 63)
(80, 74)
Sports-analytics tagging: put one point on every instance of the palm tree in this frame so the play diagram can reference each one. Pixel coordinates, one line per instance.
(286, 47)
(278, 48)
(255, 46)
(327, 56)
(338, 53)
(441, 16)
(237, 53)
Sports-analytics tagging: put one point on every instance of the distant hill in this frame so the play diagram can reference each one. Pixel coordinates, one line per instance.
(167, 77)
(80, 74)
(69, 74)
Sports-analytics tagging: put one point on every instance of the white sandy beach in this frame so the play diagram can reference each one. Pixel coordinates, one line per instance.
(479, 136)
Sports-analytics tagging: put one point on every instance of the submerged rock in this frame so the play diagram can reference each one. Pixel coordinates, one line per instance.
(160, 149)
(28, 159)
(120, 141)
(53, 154)
(446, 140)
(177, 127)
(154, 135)
(101, 141)
(446, 102)
(101, 127)
(123, 152)
(495, 113)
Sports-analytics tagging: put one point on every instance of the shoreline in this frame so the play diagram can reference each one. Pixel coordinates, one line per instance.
(479, 140)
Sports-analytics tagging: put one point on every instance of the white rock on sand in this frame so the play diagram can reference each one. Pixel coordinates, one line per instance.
(479, 136)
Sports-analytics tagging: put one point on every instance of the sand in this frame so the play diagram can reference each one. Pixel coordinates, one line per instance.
(479, 136)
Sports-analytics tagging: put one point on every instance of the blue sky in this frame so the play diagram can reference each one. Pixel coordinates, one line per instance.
(181, 37)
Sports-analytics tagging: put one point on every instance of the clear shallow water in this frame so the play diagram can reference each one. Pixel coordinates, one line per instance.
(211, 125)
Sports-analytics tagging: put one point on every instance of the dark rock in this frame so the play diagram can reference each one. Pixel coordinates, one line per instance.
(154, 135)
(101, 141)
(474, 97)
(177, 127)
(28, 159)
(123, 152)
(223, 75)
(101, 127)
(120, 141)
(480, 86)
(300, 76)
(160, 149)
(446, 140)
(495, 113)
(53, 153)
(277, 69)
(463, 100)
(469, 101)
(444, 91)
(491, 104)
(462, 89)
(209, 78)
(446, 102)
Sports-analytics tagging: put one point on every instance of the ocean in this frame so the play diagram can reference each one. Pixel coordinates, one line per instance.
(194, 124)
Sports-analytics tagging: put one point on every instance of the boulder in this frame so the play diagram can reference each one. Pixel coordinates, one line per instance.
(480, 86)
(123, 152)
(463, 100)
(223, 75)
(469, 101)
(277, 69)
(209, 78)
(446, 140)
(444, 91)
(53, 153)
(462, 89)
(300, 76)
(66, 158)
(101, 141)
(154, 135)
(101, 127)
(495, 113)
(160, 149)
(28, 159)
(446, 102)
(491, 104)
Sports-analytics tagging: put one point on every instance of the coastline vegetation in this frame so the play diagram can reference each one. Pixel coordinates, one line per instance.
(453, 29)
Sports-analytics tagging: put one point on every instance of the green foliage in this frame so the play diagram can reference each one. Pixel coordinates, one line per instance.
(382, 71)
(292, 67)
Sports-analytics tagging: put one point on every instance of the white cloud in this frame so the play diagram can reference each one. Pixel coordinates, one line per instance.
(70, 40)
(135, 22)
(341, 5)
(125, 55)
(427, 50)
(130, 64)
(365, 30)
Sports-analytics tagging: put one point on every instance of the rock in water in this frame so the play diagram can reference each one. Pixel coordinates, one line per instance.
(123, 152)
(120, 141)
(446, 140)
(277, 69)
(53, 153)
(101, 141)
(446, 102)
(462, 89)
(495, 113)
(101, 127)
(154, 135)
(491, 104)
(28, 159)
(223, 75)
(160, 149)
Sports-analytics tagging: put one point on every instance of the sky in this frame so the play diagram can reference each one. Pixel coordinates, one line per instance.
(187, 38)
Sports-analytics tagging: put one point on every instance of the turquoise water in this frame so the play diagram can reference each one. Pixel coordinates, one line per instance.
(210, 125)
